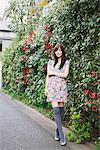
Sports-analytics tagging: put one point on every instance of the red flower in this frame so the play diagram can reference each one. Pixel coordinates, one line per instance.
(93, 95)
(49, 46)
(49, 34)
(86, 92)
(25, 81)
(30, 38)
(23, 49)
(94, 108)
(25, 71)
(88, 102)
(45, 36)
(24, 59)
(45, 43)
(33, 33)
(46, 27)
(96, 83)
(93, 74)
(25, 43)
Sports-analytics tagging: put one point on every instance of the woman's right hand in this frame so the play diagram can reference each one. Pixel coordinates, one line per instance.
(50, 73)
(46, 92)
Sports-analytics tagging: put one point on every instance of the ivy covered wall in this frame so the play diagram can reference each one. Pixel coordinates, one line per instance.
(75, 23)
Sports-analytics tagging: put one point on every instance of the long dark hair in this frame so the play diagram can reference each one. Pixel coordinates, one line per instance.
(63, 59)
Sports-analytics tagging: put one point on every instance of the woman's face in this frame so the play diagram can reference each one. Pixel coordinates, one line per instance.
(58, 52)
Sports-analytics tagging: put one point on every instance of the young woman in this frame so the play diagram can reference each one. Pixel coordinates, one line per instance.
(56, 91)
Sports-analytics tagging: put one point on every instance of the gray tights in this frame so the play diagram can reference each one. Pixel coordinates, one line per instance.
(58, 120)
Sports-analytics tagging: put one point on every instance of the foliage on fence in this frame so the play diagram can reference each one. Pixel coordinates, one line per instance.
(75, 23)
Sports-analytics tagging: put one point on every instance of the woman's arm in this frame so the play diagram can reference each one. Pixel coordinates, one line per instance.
(62, 75)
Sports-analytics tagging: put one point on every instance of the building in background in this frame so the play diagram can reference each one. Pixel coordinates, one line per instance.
(6, 35)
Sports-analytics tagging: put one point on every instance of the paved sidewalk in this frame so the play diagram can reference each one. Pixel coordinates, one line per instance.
(43, 123)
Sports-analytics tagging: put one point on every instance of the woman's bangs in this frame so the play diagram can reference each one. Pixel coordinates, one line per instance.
(55, 49)
(57, 46)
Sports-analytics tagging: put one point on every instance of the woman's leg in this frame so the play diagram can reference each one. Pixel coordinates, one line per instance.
(61, 106)
(57, 117)
(55, 104)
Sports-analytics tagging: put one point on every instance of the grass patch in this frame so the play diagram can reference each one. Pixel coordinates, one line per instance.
(98, 145)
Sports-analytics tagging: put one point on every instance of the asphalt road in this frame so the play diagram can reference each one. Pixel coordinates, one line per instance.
(23, 128)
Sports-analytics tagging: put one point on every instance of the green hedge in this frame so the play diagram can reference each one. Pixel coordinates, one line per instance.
(75, 23)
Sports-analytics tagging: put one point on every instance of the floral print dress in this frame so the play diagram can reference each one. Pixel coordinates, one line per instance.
(57, 88)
